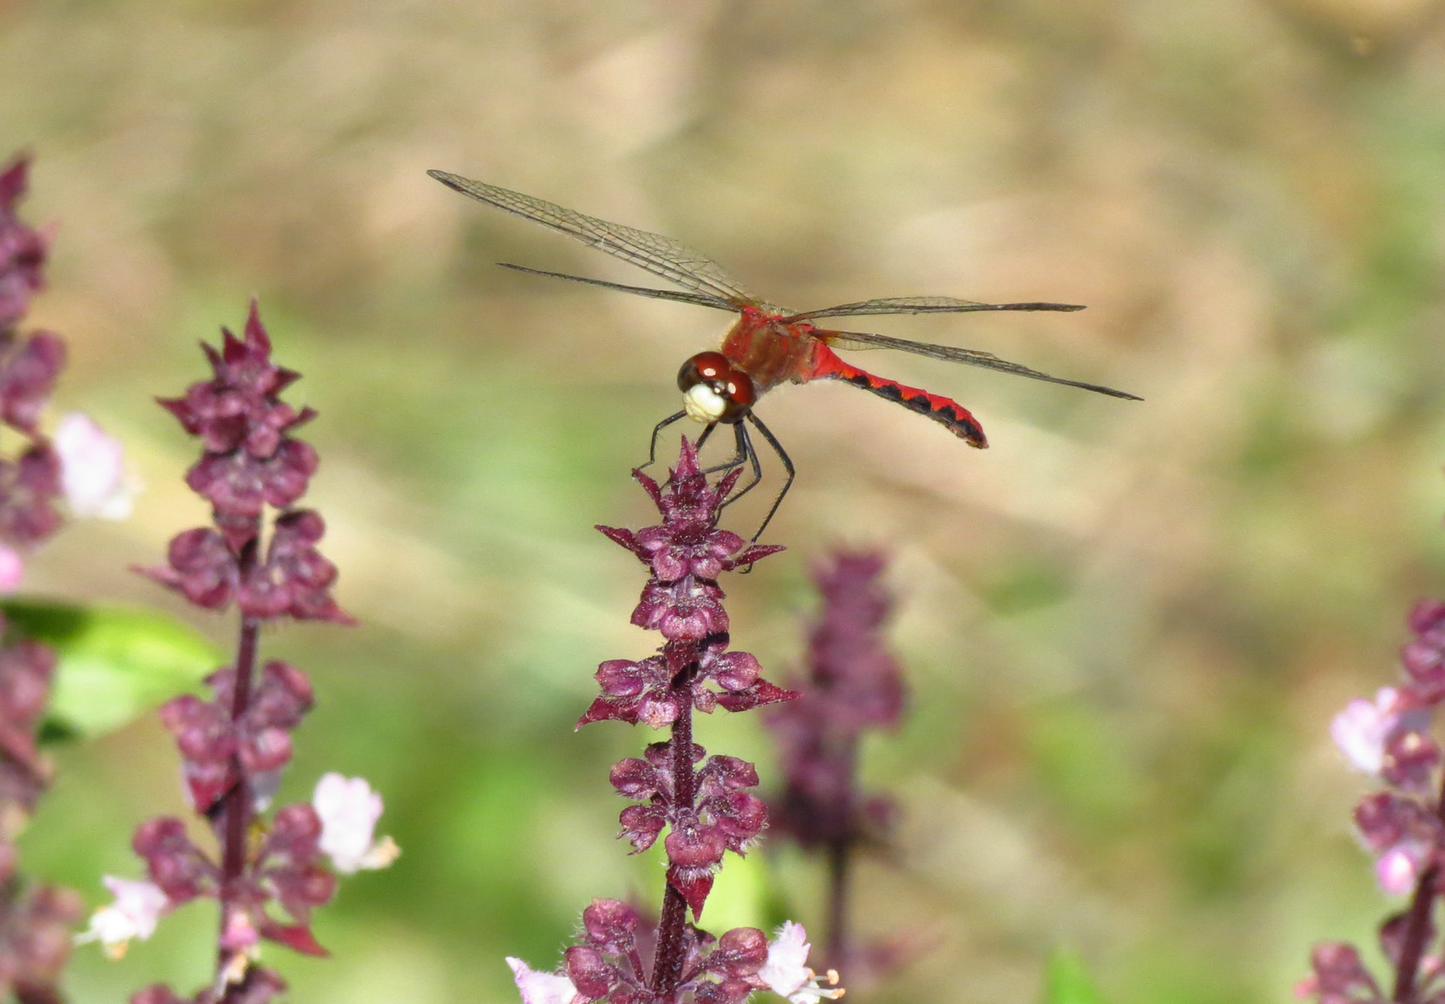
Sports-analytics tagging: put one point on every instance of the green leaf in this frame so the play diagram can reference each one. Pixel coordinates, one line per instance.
(113, 663)
(1066, 981)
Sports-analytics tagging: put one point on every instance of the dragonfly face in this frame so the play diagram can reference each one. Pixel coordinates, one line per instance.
(714, 390)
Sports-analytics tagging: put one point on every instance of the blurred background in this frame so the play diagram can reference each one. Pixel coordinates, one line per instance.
(1127, 625)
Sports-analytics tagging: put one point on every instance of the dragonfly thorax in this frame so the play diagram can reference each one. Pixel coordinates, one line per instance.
(713, 390)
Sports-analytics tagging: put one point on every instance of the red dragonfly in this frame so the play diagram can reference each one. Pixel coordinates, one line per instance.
(768, 344)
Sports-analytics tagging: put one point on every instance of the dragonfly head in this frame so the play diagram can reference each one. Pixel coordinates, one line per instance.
(713, 390)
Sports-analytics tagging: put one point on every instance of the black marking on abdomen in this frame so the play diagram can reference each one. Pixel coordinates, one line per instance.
(949, 414)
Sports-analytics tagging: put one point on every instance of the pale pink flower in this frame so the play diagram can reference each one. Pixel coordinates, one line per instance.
(92, 469)
(541, 988)
(12, 569)
(1398, 869)
(240, 933)
(349, 810)
(137, 908)
(786, 972)
(1363, 729)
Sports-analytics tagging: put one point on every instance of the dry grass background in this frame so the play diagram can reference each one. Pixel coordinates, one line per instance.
(1128, 624)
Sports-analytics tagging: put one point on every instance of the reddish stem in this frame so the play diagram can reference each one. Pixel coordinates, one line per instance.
(839, 850)
(672, 924)
(236, 803)
(838, 860)
(1417, 924)
(667, 963)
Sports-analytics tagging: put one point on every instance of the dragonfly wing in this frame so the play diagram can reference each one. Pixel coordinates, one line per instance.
(972, 357)
(701, 299)
(921, 305)
(662, 256)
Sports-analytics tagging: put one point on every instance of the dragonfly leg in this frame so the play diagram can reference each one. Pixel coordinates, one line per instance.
(726, 465)
(656, 433)
(787, 467)
(744, 453)
(742, 450)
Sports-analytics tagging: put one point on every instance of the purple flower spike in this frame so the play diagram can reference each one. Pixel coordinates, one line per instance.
(696, 807)
(28, 371)
(854, 685)
(32, 476)
(250, 462)
(702, 809)
(268, 873)
(1402, 824)
(688, 544)
(26, 668)
(240, 408)
(36, 478)
(22, 249)
(699, 808)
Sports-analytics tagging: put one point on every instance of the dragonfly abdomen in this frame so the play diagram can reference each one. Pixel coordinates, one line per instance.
(949, 413)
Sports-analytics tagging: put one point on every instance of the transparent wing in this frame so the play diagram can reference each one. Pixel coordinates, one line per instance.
(701, 299)
(921, 305)
(662, 256)
(973, 357)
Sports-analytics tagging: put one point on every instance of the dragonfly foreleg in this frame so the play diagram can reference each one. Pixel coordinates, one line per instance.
(656, 433)
(743, 452)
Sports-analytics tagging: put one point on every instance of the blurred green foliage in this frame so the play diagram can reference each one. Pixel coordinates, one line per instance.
(1067, 982)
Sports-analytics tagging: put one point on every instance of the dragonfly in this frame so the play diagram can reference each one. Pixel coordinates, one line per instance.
(767, 345)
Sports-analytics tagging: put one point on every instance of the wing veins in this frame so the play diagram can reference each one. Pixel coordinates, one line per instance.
(971, 357)
(698, 299)
(921, 305)
(662, 256)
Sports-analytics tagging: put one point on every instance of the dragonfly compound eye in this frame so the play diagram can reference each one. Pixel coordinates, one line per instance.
(713, 390)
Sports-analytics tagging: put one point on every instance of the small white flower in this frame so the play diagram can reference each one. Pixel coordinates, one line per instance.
(541, 988)
(92, 469)
(349, 810)
(264, 785)
(134, 914)
(786, 972)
